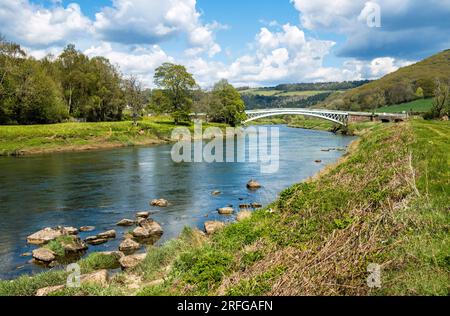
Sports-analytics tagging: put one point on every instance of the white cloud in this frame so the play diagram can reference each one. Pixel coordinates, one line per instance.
(286, 55)
(36, 26)
(150, 22)
(354, 69)
(409, 28)
(129, 32)
(289, 56)
(141, 61)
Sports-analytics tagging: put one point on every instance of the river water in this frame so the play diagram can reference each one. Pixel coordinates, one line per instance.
(100, 188)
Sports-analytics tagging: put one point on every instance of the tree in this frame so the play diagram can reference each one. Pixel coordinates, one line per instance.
(105, 96)
(28, 93)
(419, 93)
(40, 100)
(159, 102)
(228, 106)
(441, 102)
(428, 86)
(177, 84)
(135, 97)
(74, 78)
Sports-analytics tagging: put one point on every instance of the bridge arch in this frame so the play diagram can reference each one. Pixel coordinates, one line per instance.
(340, 118)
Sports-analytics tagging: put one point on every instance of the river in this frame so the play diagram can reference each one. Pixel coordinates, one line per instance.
(99, 188)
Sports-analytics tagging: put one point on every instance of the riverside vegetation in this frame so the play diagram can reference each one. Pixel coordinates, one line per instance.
(386, 203)
(33, 139)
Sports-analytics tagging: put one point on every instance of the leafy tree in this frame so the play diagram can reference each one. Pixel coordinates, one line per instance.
(428, 86)
(75, 79)
(28, 93)
(135, 97)
(39, 100)
(177, 84)
(441, 102)
(419, 93)
(11, 56)
(105, 94)
(159, 102)
(227, 105)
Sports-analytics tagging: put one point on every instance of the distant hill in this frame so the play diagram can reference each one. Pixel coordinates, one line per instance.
(407, 84)
(294, 95)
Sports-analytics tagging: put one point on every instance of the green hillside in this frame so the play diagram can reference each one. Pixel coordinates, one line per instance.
(417, 106)
(280, 93)
(405, 85)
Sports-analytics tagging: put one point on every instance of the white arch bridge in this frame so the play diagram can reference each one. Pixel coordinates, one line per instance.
(338, 117)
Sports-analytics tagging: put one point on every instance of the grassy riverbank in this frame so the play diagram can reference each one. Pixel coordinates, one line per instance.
(385, 203)
(35, 139)
(323, 125)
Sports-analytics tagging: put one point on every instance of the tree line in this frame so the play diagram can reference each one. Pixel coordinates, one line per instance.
(73, 86)
(320, 86)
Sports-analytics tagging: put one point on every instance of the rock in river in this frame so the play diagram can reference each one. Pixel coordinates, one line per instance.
(95, 241)
(160, 203)
(44, 255)
(152, 227)
(216, 193)
(126, 223)
(143, 215)
(226, 210)
(213, 227)
(141, 232)
(74, 245)
(253, 185)
(110, 234)
(87, 229)
(44, 236)
(129, 246)
(69, 231)
(129, 262)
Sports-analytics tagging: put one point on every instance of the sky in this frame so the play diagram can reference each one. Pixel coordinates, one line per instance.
(248, 42)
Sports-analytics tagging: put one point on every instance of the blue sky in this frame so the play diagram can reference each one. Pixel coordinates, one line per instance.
(248, 42)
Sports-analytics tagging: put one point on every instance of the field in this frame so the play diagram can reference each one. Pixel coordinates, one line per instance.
(385, 204)
(310, 123)
(279, 93)
(23, 140)
(418, 106)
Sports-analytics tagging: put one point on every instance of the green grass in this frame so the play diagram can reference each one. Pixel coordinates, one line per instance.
(418, 106)
(79, 136)
(28, 285)
(324, 125)
(425, 244)
(57, 245)
(311, 123)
